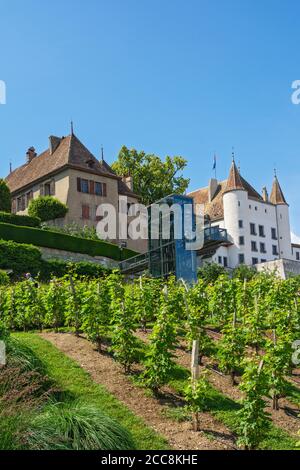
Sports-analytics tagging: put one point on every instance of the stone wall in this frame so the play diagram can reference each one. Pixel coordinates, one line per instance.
(283, 268)
(50, 253)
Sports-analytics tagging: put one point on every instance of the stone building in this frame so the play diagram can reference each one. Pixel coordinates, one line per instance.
(256, 226)
(69, 171)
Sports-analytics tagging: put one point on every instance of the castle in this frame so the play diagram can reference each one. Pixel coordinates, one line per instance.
(256, 226)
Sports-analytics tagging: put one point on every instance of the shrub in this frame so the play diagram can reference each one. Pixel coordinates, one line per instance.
(47, 208)
(5, 197)
(61, 241)
(59, 268)
(76, 426)
(210, 272)
(243, 272)
(4, 278)
(20, 258)
(23, 220)
(90, 233)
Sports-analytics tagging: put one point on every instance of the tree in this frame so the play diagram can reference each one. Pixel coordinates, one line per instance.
(5, 197)
(47, 208)
(210, 272)
(153, 178)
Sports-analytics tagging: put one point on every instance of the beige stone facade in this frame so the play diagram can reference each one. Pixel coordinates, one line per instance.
(69, 172)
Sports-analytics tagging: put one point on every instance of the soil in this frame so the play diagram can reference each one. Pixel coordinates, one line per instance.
(287, 417)
(105, 371)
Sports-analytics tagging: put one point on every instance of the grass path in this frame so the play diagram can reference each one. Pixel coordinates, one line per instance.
(77, 384)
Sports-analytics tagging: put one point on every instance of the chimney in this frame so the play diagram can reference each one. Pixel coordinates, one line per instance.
(30, 154)
(265, 194)
(128, 180)
(212, 188)
(54, 143)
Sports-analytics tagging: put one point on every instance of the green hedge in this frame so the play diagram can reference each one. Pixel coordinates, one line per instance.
(20, 258)
(61, 241)
(58, 268)
(22, 220)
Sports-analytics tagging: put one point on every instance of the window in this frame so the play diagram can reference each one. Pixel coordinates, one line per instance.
(225, 262)
(239, 203)
(253, 246)
(297, 256)
(242, 240)
(263, 260)
(261, 230)
(21, 203)
(273, 234)
(256, 208)
(85, 211)
(250, 206)
(98, 189)
(47, 189)
(254, 261)
(241, 258)
(220, 259)
(84, 186)
(29, 197)
(262, 248)
(274, 250)
(241, 225)
(252, 229)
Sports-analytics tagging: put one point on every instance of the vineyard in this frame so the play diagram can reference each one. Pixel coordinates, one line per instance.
(245, 331)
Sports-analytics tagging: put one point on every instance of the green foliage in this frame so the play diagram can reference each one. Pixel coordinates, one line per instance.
(196, 395)
(20, 258)
(4, 278)
(254, 421)
(153, 178)
(210, 272)
(5, 197)
(124, 343)
(47, 208)
(159, 357)
(243, 272)
(22, 220)
(77, 426)
(62, 241)
(90, 233)
(59, 268)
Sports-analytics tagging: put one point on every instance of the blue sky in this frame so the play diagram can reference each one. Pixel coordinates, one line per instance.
(170, 77)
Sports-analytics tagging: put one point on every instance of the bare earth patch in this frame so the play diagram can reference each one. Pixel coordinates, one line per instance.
(105, 371)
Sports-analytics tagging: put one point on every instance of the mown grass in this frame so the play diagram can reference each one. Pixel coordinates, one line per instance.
(78, 385)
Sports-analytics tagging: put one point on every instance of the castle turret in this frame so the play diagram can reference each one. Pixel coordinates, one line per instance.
(283, 220)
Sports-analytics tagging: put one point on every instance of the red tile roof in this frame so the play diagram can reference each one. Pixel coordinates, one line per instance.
(70, 153)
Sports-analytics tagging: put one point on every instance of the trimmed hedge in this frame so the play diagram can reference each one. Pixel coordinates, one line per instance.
(58, 268)
(22, 220)
(20, 258)
(61, 241)
(23, 258)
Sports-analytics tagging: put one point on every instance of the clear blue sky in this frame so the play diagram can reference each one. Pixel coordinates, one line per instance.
(189, 77)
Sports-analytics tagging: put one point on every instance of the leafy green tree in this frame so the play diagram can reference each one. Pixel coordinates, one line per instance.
(5, 197)
(47, 208)
(243, 272)
(210, 272)
(153, 178)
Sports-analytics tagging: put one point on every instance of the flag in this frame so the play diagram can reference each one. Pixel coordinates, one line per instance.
(215, 162)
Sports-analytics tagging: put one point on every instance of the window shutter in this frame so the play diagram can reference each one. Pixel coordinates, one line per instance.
(85, 211)
(14, 206)
(52, 188)
(79, 185)
(91, 187)
(42, 192)
(104, 189)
